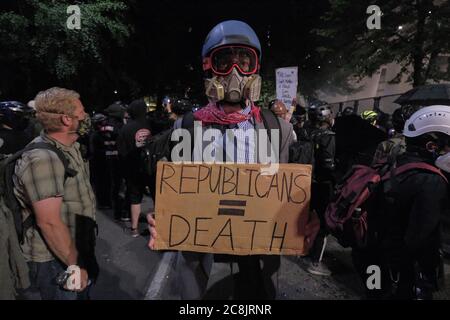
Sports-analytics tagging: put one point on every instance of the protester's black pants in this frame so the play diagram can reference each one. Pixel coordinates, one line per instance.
(114, 181)
(101, 184)
(321, 194)
(255, 281)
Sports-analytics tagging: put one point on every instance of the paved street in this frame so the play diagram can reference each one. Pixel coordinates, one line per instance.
(126, 263)
(129, 270)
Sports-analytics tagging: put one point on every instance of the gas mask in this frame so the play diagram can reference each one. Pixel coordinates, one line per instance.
(443, 162)
(235, 74)
(234, 87)
(84, 126)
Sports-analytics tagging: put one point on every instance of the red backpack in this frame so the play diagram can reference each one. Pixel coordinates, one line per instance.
(347, 214)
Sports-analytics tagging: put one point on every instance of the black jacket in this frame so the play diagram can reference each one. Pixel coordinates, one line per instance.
(131, 137)
(324, 141)
(409, 224)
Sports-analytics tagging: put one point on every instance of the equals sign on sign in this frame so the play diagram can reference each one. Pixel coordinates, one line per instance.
(232, 208)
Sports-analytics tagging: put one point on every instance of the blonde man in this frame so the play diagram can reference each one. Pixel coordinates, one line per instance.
(52, 186)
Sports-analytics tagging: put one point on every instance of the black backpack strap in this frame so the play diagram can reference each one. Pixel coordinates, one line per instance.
(69, 172)
(271, 121)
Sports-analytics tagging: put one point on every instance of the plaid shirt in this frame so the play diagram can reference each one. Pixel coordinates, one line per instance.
(39, 175)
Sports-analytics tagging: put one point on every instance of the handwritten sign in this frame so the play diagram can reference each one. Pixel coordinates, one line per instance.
(287, 81)
(232, 208)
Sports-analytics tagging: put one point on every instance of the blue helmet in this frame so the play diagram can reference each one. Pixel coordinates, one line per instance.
(231, 32)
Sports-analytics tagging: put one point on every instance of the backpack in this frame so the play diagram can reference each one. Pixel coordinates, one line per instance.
(14, 270)
(355, 200)
(7, 167)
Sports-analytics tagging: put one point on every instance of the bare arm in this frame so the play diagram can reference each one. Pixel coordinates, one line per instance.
(54, 230)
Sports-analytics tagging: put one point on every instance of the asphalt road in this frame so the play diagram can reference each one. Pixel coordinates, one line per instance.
(126, 264)
(129, 270)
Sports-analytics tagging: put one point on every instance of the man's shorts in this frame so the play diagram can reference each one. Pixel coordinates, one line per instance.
(135, 189)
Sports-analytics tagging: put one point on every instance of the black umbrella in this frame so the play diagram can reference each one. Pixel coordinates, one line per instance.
(426, 95)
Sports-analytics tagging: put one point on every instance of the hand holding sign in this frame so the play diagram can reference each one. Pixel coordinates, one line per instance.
(152, 229)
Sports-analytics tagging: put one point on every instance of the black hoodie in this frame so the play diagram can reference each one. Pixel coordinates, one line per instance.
(133, 134)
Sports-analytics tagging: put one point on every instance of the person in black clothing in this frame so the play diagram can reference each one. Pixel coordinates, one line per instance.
(408, 220)
(162, 118)
(98, 162)
(14, 119)
(318, 130)
(298, 121)
(131, 137)
(114, 170)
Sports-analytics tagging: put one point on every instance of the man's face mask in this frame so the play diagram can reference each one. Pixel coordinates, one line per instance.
(443, 162)
(442, 157)
(235, 74)
(84, 126)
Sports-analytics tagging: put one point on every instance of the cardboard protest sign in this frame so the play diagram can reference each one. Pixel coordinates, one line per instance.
(232, 208)
(287, 82)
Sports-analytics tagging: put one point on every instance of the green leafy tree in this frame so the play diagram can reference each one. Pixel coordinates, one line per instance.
(40, 50)
(413, 33)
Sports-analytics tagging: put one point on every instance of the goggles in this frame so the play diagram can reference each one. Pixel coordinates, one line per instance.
(222, 60)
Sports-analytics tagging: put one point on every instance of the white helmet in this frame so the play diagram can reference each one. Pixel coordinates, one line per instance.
(428, 119)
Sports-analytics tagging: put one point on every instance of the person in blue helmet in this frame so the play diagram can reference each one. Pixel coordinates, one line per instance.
(231, 62)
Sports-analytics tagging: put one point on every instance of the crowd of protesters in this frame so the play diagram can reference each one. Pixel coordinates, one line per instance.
(96, 162)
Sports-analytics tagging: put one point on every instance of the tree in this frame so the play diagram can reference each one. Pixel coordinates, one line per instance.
(413, 34)
(40, 50)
